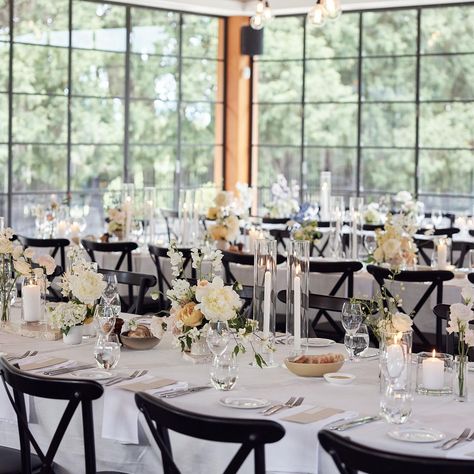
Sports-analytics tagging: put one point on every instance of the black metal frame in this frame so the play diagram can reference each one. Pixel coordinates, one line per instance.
(417, 102)
(126, 144)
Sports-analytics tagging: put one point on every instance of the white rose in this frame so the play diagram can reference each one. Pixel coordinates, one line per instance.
(28, 253)
(22, 267)
(401, 322)
(87, 287)
(47, 262)
(391, 247)
(467, 294)
(156, 326)
(403, 196)
(6, 246)
(460, 312)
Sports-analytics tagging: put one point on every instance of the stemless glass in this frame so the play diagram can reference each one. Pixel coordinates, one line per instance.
(360, 341)
(224, 371)
(105, 317)
(351, 318)
(107, 351)
(218, 336)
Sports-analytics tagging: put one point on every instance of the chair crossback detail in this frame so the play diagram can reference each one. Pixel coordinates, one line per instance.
(56, 245)
(168, 216)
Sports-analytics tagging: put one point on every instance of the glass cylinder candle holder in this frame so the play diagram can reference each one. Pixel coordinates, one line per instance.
(149, 205)
(338, 212)
(356, 212)
(128, 202)
(264, 292)
(297, 296)
(325, 195)
(441, 258)
(33, 298)
(434, 373)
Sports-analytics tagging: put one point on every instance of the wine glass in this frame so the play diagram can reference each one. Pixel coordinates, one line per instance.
(110, 296)
(105, 316)
(217, 338)
(370, 244)
(437, 217)
(351, 318)
(360, 341)
(107, 351)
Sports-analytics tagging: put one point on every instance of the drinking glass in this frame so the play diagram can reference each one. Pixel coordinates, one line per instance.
(370, 244)
(395, 404)
(471, 259)
(224, 371)
(351, 318)
(110, 295)
(105, 316)
(107, 351)
(360, 342)
(437, 217)
(217, 338)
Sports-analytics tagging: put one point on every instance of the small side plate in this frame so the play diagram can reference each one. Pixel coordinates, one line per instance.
(244, 403)
(417, 435)
(92, 374)
(318, 342)
(339, 378)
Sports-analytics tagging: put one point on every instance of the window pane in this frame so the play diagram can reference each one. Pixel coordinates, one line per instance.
(200, 36)
(42, 22)
(274, 161)
(447, 125)
(284, 38)
(279, 124)
(98, 74)
(279, 81)
(387, 171)
(388, 125)
(447, 171)
(95, 166)
(389, 79)
(154, 31)
(336, 39)
(153, 122)
(33, 165)
(153, 165)
(3, 118)
(197, 164)
(97, 121)
(389, 32)
(447, 77)
(3, 170)
(199, 123)
(332, 80)
(154, 77)
(449, 29)
(331, 125)
(4, 22)
(200, 79)
(341, 162)
(4, 58)
(40, 69)
(40, 119)
(98, 26)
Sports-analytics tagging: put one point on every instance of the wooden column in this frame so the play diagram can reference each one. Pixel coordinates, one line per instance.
(237, 113)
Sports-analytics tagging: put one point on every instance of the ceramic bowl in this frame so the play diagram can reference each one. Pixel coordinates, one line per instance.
(312, 370)
(138, 343)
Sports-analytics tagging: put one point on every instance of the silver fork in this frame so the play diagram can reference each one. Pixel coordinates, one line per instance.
(462, 436)
(296, 403)
(291, 400)
(462, 440)
(134, 375)
(289, 404)
(19, 357)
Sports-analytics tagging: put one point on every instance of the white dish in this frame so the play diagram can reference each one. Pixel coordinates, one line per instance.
(339, 378)
(318, 342)
(417, 435)
(244, 403)
(370, 353)
(92, 374)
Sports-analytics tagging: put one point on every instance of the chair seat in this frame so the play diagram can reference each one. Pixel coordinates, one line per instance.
(11, 461)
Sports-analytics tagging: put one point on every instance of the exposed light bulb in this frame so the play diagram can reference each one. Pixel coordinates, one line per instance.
(267, 12)
(256, 22)
(333, 8)
(260, 6)
(317, 15)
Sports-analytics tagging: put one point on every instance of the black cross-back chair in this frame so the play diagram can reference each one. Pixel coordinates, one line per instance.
(280, 235)
(428, 244)
(321, 249)
(156, 254)
(56, 245)
(446, 215)
(275, 220)
(251, 434)
(142, 281)
(346, 269)
(463, 248)
(124, 248)
(373, 227)
(351, 458)
(435, 278)
(168, 215)
(470, 277)
(76, 392)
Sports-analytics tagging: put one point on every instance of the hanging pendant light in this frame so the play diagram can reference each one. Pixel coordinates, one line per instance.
(267, 12)
(263, 15)
(257, 22)
(333, 8)
(317, 15)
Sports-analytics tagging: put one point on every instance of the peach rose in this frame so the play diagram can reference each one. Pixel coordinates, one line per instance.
(189, 315)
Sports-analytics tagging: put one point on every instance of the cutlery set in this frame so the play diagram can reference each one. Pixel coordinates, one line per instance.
(12, 358)
(464, 437)
(346, 425)
(121, 378)
(180, 392)
(291, 403)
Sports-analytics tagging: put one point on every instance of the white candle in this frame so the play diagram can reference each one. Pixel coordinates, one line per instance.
(324, 201)
(75, 229)
(184, 224)
(442, 255)
(31, 298)
(62, 228)
(297, 310)
(267, 301)
(150, 216)
(254, 235)
(395, 360)
(128, 216)
(433, 373)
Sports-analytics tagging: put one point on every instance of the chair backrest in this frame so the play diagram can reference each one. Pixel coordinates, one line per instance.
(124, 248)
(252, 435)
(346, 270)
(470, 277)
(140, 280)
(76, 392)
(156, 254)
(436, 278)
(280, 235)
(351, 458)
(56, 245)
(446, 215)
(275, 220)
(428, 244)
(373, 227)
(168, 216)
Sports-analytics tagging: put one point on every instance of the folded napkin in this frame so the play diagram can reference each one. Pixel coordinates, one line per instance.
(45, 363)
(120, 414)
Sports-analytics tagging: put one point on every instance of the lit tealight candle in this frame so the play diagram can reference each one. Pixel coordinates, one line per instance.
(433, 373)
(297, 308)
(442, 255)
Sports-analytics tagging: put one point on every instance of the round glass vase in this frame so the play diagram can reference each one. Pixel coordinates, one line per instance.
(434, 373)
(460, 378)
(33, 299)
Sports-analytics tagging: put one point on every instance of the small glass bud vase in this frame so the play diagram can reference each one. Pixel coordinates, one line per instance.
(297, 297)
(434, 373)
(33, 299)
(441, 258)
(460, 378)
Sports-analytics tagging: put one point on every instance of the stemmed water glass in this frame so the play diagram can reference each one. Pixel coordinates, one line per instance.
(370, 244)
(107, 351)
(110, 296)
(105, 317)
(360, 341)
(351, 318)
(437, 217)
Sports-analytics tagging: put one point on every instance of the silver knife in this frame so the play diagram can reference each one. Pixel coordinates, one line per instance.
(178, 393)
(351, 424)
(68, 370)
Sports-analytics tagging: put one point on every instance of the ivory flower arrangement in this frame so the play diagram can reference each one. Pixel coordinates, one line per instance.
(226, 226)
(285, 198)
(115, 219)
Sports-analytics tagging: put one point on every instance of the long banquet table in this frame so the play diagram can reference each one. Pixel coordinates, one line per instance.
(297, 452)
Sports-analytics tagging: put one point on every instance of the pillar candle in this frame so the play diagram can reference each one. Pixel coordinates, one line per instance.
(267, 301)
(433, 373)
(31, 298)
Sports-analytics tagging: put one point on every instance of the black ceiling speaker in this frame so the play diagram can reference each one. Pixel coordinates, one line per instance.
(251, 41)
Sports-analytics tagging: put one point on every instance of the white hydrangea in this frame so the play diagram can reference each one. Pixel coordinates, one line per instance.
(64, 316)
(87, 286)
(179, 293)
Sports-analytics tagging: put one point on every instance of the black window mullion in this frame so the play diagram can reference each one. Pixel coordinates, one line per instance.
(417, 104)
(10, 118)
(69, 103)
(359, 106)
(303, 165)
(177, 176)
(126, 136)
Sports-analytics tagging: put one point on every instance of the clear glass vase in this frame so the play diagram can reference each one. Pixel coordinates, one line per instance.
(460, 379)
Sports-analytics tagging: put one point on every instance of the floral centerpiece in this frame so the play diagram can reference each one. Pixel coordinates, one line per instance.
(394, 246)
(373, 215)
(195, 307)
(285, 198)
(459, 316)
(116, 221)
(83, 286)
(307, 230)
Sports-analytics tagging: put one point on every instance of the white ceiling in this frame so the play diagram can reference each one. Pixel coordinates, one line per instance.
(246, 7)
